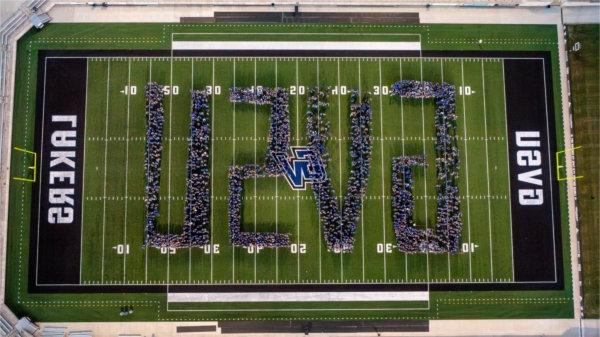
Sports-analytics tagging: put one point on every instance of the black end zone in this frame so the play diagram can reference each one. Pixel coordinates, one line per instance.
(56, 211)
(534, 190)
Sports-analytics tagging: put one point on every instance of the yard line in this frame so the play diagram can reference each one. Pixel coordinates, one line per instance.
(319, 215)
(276, 204)
(212, 161)
(233, 155)
(462, 72)
(146, 247)
(87, 66)
(512, 258)
(449, 271)
(169, 169)
(190, 247)
(105, 160)
(126, 173)
(425, 170)
(362, 203)
(297, 192)
(403, 153)
(255, 182)
(340, 201)
(487, 170)
(382, 174)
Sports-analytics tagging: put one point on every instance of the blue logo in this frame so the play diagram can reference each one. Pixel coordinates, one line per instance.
(303, 167)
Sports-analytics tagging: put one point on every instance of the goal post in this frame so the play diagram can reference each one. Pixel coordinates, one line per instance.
(30, 168)
(561, 169)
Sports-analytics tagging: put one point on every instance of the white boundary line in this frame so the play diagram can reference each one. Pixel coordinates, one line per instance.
(486, 145)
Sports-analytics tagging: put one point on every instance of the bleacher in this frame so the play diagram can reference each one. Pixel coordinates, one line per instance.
(11, 326)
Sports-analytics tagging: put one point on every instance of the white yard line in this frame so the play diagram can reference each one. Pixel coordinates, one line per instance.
(382, 174)
(362, 202)
(425, 169)
(212, 180)
(233, 155)
(87, 67)
(169, 168)
(403, 153)
(449, 270)
(508, 174)
(255, 179)
(125, 250)
(487, 170)
(105, 160)
(297, 192)
(146, 247)
(190, 247)
(276, 201)
(462, 71)
(340, 200)
(319, 215)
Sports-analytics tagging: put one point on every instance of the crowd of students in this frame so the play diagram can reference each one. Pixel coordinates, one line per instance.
(278, 142)
(447, 233)
(339, 227)
(196, 226)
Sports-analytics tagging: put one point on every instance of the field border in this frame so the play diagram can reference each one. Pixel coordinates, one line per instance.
(546, 285)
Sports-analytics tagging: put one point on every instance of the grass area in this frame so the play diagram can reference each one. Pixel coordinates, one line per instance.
(239, 136)
(292, 267)
(585, 97)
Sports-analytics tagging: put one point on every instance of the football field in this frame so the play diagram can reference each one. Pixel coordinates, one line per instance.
(85, 173)
(113, 202)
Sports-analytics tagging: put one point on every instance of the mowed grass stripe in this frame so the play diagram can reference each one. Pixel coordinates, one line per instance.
(416, 263)
(477, 178)
(140, 71)
(200, 264)
(438, 263)
(94, 172)
(499, 174)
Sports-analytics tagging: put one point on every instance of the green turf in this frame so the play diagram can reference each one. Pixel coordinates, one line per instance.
(117, 211)
(401, 124)
(585, 97)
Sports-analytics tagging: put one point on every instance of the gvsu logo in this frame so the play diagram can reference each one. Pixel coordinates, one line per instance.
(303, 167)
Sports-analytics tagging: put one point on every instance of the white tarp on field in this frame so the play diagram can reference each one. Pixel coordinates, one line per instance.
(309, 296)
(294, 45)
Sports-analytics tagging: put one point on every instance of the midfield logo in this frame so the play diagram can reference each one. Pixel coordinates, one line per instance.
(303, 167)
